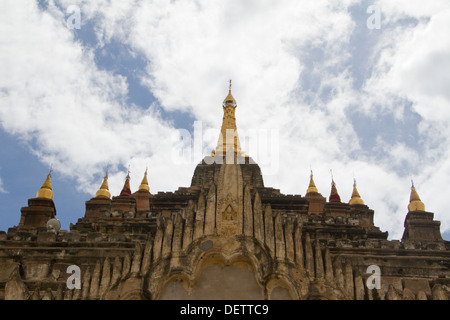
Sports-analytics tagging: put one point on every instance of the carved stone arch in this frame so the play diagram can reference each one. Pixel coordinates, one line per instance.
(277, 283)
(236, 273)
(219, 257)
(182, 278)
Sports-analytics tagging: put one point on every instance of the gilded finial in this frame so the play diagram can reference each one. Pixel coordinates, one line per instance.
(46, 192)
(228, 138)
(312, 186)
(415, 204)
(356, 198)
(103, 192)
(229, 98)
(144, 184)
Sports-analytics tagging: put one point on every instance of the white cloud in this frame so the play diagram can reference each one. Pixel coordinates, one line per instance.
(2, 189)
(52, 93)
(76, 112)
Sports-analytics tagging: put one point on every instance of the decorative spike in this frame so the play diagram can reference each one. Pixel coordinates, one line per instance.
(46, 192)
(348, 276)
(269, 238)
(248, 212)
(356, 198)
(318, 261)
(157, 243)
(312, 186)
(309, 256)
(210, 213)
(415, 204)
(280, 250)
(117, 271)
(126, 191)
(359, 286)
(334, 195)
(228, 138)
(258, 224)
(126, 265)
(85, 284)
(328, 266)
(199, 223)
(167, 239)
(144, 184)
(106, 278)
(137, 259)
(103, 192)
(95, 282)
(298, 246)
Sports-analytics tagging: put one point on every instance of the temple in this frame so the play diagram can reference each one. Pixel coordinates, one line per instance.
(226, 236)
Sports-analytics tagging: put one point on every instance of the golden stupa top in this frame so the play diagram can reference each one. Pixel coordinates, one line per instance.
(228, 138)
(103, 192)
(356, 198)
(144, 184)
(46, 192)
(229, 97)
(415, 204)
(312, 186)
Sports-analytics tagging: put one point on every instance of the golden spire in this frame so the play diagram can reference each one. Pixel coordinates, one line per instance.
(312, 186)
(46, 192)
(415, 204)
(144, 184)
(103, 192)
(229, 98)
(356, 198)
(228, 134)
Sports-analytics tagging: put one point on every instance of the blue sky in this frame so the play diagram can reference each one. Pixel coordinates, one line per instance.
(315, 86)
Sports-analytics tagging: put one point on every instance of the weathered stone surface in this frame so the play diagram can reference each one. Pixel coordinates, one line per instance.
(15, 289)
(226, 237)
(248, 212)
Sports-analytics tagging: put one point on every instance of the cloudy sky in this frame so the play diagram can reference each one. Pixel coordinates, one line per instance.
(361, 88)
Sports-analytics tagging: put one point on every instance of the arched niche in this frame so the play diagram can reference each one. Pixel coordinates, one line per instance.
(216, 279)
(279, 289)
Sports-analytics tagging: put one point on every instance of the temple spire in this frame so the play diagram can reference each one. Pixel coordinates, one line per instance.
(228, 138)
(415, 204)
(46, 192)
(144, 184)
(126, 190)
(334, 195)
(312, 186)
(103, 192)
(356, 198)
